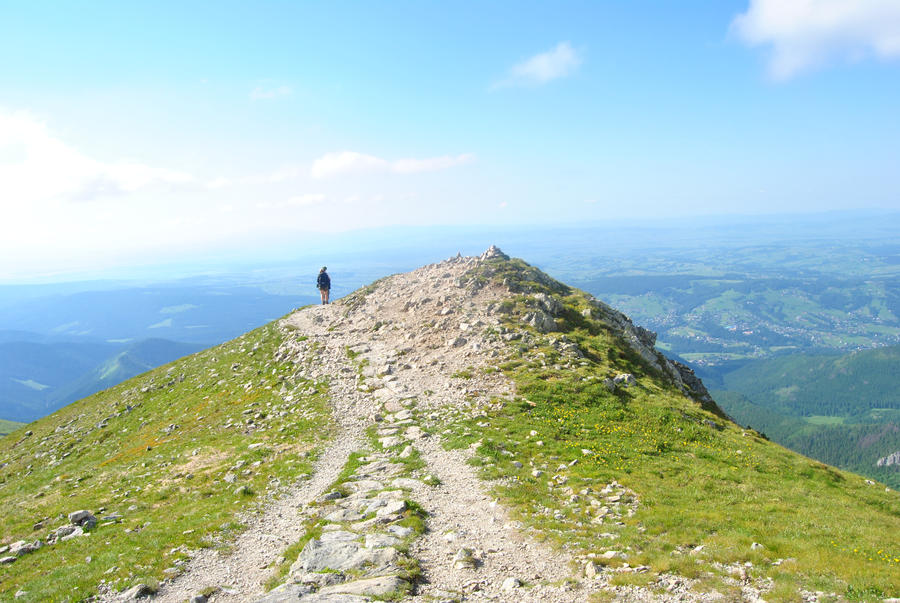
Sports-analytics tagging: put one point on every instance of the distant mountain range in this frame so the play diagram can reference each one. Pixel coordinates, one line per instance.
(38, 377)
(59, 343)
(195, 312)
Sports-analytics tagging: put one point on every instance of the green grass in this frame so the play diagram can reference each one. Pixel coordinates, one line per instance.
(167, 483)
(697, 485)
(7, 427)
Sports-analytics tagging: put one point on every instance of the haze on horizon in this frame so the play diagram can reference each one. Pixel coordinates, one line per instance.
(160, 130)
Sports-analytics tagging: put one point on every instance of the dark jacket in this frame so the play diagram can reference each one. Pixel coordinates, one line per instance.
(323, 282)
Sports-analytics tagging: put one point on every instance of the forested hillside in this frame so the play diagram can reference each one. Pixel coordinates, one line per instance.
(841, 409)
(848, 385)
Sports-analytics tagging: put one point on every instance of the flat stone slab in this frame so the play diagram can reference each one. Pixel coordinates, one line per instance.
(391, 509)
(400, 531)
(380, 540)
(285, 593)
(344, 515)
(415, 432)
(390, 441)
(373, 587)
(338, 536)
(318, 556)
(393, 406)
(298, 592)
(364, 485)
(384, 394)
(378, 469)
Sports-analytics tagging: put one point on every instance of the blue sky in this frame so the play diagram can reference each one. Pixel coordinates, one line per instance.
(150, 130)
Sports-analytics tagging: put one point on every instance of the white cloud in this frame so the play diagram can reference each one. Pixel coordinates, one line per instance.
(804, 34)
(36, 166)
(331, 164)
(351, 162)
(267, 93)
(306, 199)
(542, 68)
(283, 174)
(219, 183)
(432, 164)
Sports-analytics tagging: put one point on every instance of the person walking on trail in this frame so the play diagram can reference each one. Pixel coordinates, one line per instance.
(324, 284)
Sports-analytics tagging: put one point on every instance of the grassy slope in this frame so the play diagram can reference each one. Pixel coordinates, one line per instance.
(855, 443)
(698, 485)
(843, 410)
(7, 427)
(167, 483)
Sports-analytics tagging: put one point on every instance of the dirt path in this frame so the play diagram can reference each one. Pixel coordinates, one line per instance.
(416, 359)
(242, 574)
(404, 340)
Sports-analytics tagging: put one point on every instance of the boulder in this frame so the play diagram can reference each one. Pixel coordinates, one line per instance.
(456, 342)
(464, 559)
(82, 518)
(400, 531)
(65, 532)
(624, 380)
(551, 305)
(392, 509)
(390, 441)
(138, 591)
(21, 547)
(541, 321)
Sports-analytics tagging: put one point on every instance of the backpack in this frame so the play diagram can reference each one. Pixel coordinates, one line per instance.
(323, 282)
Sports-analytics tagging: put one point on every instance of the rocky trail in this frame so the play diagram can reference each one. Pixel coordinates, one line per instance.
(390, 355)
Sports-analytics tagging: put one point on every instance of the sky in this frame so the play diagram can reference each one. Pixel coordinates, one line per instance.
(133, 132)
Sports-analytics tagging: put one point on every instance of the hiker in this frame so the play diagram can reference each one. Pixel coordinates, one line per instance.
(324, 284)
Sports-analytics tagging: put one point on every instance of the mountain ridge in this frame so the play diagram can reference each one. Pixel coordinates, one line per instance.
(471, 429)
